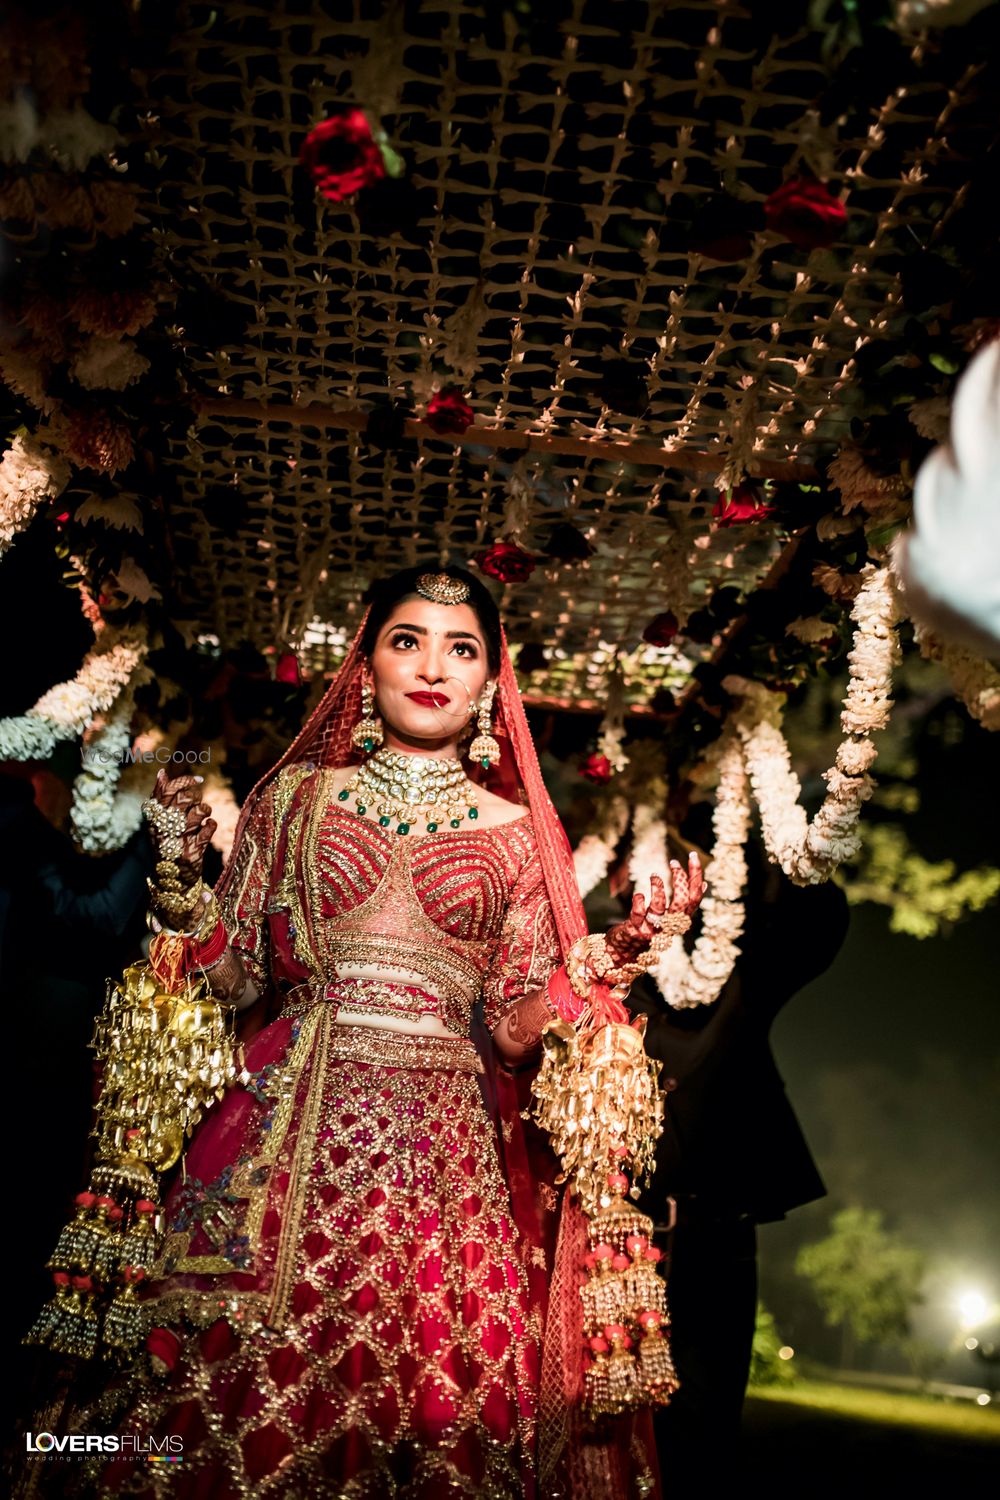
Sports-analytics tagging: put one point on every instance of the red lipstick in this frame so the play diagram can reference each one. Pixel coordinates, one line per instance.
(432, 700)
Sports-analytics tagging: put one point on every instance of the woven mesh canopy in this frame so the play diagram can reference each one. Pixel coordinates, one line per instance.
(536, 252)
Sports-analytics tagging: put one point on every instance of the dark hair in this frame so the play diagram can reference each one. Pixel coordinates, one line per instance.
(385, 593)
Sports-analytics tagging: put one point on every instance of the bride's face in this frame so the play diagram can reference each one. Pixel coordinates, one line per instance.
(428, 664)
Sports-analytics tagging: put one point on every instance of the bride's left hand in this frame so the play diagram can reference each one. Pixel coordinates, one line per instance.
(626, 940)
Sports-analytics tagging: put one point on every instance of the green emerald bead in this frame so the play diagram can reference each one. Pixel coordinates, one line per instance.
(485, 762)
(473, 812)
(362, 809)
(432, 828)
(385, 821)
(455, 822)
(403, 828)
(369, 745)
(343, 796)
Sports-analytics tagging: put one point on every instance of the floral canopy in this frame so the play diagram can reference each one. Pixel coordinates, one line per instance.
(649, 311)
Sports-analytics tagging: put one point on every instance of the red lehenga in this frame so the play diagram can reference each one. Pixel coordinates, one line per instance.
(360, 1260)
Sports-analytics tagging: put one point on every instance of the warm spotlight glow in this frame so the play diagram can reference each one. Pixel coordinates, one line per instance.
(982, 1399)
(973, 1308)
(786, 1352)
(971, 1343)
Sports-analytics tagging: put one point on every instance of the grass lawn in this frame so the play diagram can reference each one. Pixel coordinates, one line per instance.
(815, 1439)
(929, 1414)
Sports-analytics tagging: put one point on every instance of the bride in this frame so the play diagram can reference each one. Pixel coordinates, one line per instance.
(363, 1287)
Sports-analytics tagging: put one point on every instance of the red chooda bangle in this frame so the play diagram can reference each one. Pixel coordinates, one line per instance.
(212, 949)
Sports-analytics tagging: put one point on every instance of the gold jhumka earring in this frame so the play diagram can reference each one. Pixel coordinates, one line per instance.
(484, 747)
(367, 732)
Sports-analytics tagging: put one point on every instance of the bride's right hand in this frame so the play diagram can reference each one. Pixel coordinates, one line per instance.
(184, 793)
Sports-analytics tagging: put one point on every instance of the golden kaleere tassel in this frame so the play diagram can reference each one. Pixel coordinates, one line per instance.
(598, 1096)
(166, 1051)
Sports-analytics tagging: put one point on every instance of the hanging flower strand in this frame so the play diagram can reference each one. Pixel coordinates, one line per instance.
(593, 854)
(810, 852)
(66, 709)
(697, 978)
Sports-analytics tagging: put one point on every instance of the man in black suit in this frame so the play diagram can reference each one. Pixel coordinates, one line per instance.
(732, 1155)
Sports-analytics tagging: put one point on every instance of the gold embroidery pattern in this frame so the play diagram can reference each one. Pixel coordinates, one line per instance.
(375, 997)
(399, 1050)
(243, 908)
(286, 894)
(450, 916)
(412, 1323)
(251, 1179)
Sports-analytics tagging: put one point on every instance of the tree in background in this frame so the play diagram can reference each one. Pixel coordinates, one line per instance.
(865, 1280)
(766, 1365)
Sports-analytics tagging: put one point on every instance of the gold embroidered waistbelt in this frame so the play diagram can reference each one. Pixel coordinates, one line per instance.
(378, 997)
(372, 997)
(454, 976)
(400, 1049)
(384, 997)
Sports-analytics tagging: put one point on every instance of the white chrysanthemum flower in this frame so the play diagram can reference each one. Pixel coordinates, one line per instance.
(108, 364)
(29, 473)
(74, 137)
(18, 128)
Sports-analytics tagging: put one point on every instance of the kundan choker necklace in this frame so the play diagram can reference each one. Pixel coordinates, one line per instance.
(396, 785)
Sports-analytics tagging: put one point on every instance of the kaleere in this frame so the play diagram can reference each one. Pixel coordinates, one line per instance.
(166, 1053)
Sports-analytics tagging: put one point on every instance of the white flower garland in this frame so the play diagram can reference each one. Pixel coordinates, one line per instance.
(103, 819)
(29, 472)
(108, 794)
(975, 680)
(66, 709)
(611, 733)
(595, 851)
(697, 978)
(648, 855)
(809, 853)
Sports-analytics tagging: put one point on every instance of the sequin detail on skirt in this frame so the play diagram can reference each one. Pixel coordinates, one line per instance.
(409, 1363)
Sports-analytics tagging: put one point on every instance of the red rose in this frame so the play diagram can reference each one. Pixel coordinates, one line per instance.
(287, 669)
(505, 561)
(163, 1347)
(596, 768)
(341, 156)
(448, 411)
(805, 213)
(742, 505)
(661, 629)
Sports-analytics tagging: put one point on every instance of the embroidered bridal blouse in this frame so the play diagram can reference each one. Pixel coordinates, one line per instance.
(321, 893)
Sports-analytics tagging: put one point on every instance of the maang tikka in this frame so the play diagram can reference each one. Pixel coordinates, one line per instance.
(484, 747)
(367, 733)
